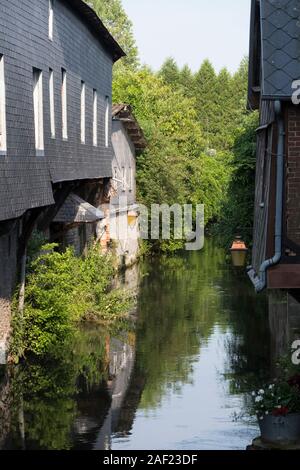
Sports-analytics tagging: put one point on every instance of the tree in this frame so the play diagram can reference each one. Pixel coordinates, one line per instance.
(186, 81)
(169, 72)
(114, 17)
(238, 205)
(206, 100)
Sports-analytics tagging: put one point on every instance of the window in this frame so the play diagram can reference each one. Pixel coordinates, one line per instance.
(82, 113)
(52, 109)
(2, 108)
(51, 17)
(38, 109)
(130, 179)
(106, 121)
(123, 178)
(64, 104)
(95, 118)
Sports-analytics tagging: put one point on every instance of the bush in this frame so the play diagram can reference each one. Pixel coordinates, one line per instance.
(62, 290)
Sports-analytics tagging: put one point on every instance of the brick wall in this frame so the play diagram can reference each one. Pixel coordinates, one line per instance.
(293, 174)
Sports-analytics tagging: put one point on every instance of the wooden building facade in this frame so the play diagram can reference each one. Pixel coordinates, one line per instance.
(122, 211)
(273, 71)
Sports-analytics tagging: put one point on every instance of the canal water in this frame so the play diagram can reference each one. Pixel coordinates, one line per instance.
(178, 378)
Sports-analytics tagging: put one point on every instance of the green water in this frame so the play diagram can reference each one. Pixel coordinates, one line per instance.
(179, 380)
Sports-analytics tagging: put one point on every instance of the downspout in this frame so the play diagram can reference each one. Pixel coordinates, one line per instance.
(260, 280)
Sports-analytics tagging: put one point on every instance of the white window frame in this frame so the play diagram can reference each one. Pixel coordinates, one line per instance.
(123, 178)
(3, 136)
(52, 105)
(38, 109)
(64, 104)
(51, 19)
(107, 121)
(95, 118)
(130, 179)
(82, 113)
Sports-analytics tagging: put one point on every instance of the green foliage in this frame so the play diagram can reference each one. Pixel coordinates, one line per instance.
(62, 290)
(238, 206)
(192, 122)
(46, 390)
(169, 72)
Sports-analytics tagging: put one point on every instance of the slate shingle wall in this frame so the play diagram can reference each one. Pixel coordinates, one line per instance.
(25, 178)
(280, 47)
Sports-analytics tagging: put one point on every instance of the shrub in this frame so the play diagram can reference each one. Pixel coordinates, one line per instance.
(62, 290)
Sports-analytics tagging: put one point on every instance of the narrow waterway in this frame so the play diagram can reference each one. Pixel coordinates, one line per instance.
(179, 379)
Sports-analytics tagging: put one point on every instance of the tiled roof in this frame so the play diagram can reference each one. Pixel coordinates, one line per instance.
(280, 35)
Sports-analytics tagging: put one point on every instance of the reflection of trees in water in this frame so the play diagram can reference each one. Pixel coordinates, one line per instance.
(45, 393)
(248, 344)
(179, 305)
(5, 403)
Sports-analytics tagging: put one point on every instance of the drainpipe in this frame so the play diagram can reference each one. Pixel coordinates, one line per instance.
(260, 280)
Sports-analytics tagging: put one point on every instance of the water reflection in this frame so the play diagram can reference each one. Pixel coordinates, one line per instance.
(201, 342)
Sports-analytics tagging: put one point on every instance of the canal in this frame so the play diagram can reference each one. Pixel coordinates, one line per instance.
(179, 378)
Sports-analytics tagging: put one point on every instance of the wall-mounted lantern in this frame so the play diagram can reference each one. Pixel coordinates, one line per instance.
(238, 252)
(132, 218)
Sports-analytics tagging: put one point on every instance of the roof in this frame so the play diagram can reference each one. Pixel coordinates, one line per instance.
(123, 112)
(76, 210)
(275, 36)
(87, 13)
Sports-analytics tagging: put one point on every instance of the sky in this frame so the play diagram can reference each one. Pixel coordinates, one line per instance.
(191, 31)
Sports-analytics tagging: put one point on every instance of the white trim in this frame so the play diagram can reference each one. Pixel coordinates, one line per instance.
(3, 137)
(52, 106)
(38, 109)
(95, 118)
(82, 113)
(51, 19)
(64, 104)
(106, 121)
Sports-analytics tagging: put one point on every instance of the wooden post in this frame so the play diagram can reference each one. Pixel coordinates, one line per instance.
(22, 285)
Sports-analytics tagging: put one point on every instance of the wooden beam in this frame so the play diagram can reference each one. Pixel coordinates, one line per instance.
(284, 276)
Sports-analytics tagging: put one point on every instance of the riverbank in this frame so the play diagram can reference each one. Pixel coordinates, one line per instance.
(63, 290)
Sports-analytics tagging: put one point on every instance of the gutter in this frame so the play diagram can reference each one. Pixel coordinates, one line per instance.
(260, 280)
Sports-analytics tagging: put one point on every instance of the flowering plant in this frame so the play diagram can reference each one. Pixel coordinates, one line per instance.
(278, 399)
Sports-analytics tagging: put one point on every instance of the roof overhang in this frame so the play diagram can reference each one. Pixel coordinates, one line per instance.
(123, 112)
(77, 211)
(254, 79)
(86, 13)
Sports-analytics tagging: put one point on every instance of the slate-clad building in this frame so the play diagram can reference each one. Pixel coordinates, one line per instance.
(56, 60)
(274, 85)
